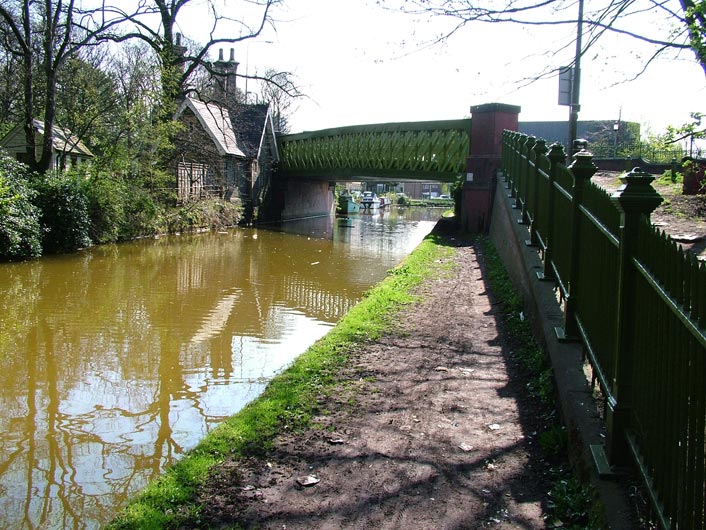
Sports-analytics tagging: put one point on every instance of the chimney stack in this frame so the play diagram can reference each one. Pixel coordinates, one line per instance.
(179, 51)
(225, 77)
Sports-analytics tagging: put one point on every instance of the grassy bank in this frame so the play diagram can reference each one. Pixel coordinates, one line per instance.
(289, 401)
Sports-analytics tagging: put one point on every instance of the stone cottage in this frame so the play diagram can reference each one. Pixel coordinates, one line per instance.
(225, 147)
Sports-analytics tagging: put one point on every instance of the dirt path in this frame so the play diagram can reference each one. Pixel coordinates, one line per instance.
(683, 217)
(431, 429)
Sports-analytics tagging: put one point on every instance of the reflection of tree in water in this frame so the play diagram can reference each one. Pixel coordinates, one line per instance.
(58, 451)
(107, 370)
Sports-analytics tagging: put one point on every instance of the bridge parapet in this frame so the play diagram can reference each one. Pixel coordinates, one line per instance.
(435, 150)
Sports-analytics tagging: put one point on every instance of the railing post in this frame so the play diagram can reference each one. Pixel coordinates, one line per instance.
(635, 198)
(526, 177)
(516, 139)
(540, 149)
(582, 169)
(507, 158)
(517, 181)
(556, 156)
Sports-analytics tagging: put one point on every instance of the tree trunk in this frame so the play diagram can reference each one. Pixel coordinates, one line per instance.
(28, 63)
(695, 18)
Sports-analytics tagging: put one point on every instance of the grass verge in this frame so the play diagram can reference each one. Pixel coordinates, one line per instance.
(289, 401)
(572, 505)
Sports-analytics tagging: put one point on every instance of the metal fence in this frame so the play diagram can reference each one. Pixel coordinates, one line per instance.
(648, 153)
(637, 302)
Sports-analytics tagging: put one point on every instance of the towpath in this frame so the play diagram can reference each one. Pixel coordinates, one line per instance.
(430, 428)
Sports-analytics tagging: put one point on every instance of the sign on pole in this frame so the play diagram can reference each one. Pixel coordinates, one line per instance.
(565, 80)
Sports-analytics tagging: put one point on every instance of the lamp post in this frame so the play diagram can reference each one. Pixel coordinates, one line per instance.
(575, 87)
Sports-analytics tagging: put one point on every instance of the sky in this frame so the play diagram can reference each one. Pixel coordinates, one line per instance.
(358, 63)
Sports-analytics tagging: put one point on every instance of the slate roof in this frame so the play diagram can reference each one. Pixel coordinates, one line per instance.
(216, 121)
(63, 141)
(249, 122)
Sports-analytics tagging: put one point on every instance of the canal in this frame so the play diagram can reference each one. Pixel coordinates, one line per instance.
(116, 360)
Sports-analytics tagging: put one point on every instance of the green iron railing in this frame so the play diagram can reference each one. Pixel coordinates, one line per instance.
(638, 304)
(422, 150)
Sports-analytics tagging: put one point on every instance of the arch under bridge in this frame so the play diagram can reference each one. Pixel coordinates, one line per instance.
(435, 150)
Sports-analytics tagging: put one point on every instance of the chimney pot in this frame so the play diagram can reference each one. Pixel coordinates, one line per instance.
(220, 54)
(232, 54)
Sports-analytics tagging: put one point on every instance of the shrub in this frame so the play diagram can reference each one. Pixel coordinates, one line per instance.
(64, 205)
(119, 208)
(20, 231)
(208, 213)
(143, 215)
(108, 199)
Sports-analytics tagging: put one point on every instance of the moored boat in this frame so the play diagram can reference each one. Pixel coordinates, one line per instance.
(370, 200)
(346, 204)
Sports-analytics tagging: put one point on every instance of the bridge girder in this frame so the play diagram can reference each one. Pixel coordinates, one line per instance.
(427, 151)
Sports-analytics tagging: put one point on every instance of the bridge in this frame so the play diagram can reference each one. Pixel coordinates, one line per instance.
(414, 151)
(310, 163)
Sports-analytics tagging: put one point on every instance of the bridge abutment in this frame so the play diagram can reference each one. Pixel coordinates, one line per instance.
(487, 125)
(306, 198)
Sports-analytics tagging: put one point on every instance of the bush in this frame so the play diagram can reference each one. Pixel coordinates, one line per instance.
(144, 215)
(64, 205)
(118, 208)
(108, 199)
(20, 230)
(208, 213)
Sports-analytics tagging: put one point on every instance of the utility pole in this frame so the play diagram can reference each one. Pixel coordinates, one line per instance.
(576, 87)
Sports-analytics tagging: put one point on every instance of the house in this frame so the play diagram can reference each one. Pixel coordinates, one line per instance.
(207, 157)
(225, 148)
(68, 150)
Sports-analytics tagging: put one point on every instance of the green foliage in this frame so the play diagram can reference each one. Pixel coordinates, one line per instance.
(65, 220)
(554, 441)
(672, 178)
(208, 213)
(144, 214)
(118, 208)
(571, 505)
(402, 199)
(109, 201)
(87, 101)
(20, 232)
(456, 192)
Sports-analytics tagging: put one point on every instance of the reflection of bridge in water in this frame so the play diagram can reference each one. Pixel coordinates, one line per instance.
(306, 294)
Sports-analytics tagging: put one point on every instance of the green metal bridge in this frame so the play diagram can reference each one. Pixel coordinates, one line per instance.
(414, 151)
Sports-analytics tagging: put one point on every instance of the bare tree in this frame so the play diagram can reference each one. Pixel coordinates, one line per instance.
(682, 23)
(279, 90)
(155, 23)
(10, 91)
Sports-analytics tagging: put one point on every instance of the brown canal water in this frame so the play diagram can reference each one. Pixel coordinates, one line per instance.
(116, 360)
